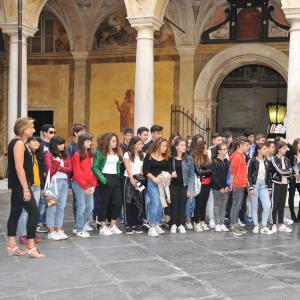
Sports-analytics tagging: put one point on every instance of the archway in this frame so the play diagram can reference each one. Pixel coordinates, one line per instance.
(243, 97)
(222, 64)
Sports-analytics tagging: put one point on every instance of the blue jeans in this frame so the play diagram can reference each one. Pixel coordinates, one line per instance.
(55, 214)
(147, 202)
(24, 216)
(262, 193)
(155, 207)
(84, 206)
(190, 207)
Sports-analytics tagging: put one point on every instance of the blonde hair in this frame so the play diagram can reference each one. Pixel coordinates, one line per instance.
(22, 124)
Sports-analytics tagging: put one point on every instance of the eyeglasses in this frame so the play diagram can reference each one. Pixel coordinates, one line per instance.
(51, 132)
(223, 149)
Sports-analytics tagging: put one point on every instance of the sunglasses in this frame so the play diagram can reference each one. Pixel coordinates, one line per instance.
(51, 132)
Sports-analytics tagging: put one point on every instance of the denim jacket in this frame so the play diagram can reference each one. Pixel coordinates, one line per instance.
(188, 172)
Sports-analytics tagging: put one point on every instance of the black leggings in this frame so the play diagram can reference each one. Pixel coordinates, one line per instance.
(201, 202)
(279, 198)
(17, 205)
(178, 204)
(111, 197)
(292, 189)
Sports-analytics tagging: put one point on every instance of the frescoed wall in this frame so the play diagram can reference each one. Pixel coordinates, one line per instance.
(112, 87)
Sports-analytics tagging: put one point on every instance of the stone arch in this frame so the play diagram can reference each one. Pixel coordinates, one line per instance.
(222, 64)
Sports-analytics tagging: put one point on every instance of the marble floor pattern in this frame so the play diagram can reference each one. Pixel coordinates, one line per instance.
(204, 265)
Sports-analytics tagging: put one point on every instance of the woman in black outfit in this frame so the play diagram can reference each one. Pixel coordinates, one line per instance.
(20, 178)
(280, 170)
(203, 171)
(182, 184)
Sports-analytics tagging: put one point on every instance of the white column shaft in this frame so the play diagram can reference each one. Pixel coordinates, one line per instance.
(144, 90)
(293, 98)
(24, 91)
(12, 84)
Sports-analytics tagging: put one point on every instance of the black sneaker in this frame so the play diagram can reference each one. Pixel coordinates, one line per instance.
(138, 229)
(42, 228)
(128, 230)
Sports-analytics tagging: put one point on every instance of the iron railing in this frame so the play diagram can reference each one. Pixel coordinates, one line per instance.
(184, 123)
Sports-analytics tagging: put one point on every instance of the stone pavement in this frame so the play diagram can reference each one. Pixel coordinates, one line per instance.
(191, 266)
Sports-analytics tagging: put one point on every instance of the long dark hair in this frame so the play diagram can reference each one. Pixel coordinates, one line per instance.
(104, 141)
(131, 149)
(81, 150)
(39, 153)
(259, 146)
(176, 143)
(195, 139)
(154, 148)
(54, 142)
(279, 145)
(198, 155)
(295, 144)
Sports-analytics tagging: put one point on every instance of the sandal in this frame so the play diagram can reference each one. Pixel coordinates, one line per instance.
(34, 253)
(14, 251)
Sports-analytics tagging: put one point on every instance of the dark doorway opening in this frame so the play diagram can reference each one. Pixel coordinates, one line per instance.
(41, 117)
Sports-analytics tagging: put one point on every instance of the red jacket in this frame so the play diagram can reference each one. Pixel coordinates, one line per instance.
(238, 169)
(54, 166)
(82, 171)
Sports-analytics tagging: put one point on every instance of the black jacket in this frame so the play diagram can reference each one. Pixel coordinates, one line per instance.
(253, 167)
(276, 168)
(204, 171)
(219, 172)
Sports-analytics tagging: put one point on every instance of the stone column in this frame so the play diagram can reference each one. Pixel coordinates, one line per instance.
(291, 9)
(12, 31)
(80, 68)
(144, 75)
(186, 77)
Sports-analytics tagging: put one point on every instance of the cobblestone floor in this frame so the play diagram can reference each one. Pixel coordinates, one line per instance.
(191, 266)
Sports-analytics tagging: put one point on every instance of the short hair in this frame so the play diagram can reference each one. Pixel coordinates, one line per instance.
(269, 143)
(77, 128)
(240, 141)
(215, 135)
(279, 145)
(46, 127)
(128, 131)
(247, 133)
(22, 124)
(156, 128)
(141, 130)
(260, 136)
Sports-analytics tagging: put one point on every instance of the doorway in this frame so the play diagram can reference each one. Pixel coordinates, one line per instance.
(41, 117)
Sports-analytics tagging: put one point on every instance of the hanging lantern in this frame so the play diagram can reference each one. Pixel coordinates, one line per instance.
(277, 112)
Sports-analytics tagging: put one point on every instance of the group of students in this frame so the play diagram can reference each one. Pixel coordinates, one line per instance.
(158, 184)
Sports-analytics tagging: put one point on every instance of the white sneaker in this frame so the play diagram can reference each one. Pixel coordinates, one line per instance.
(181, 229)
(173, 228)
(152, 232)
(115, 230)
(159, 230)
(197, 227)
(255, 229)
(241, 224)
(204, 227)
(62, 234)
(288, 221)
(105, 231)
(189, 226)
(224, 228)
(54, 236)
(74, 230)
(266, 230)
(87, 227)
(83, 234)
(284, 228)
(274, 228)
(212, 224)
(218, 228)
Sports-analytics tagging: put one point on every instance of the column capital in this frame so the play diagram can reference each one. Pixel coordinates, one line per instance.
(12, 29)
(146, 22)
(291, 9)
(80, 55)
(184, 50)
